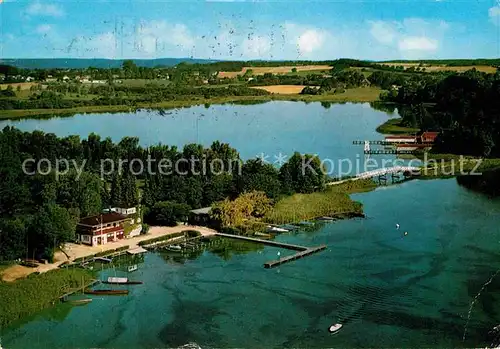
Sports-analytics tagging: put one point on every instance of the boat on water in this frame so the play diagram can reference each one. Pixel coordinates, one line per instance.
(80, 301)
(121, 281)
(175, 248)
(106, 292)
(325, 218)
(132, 268)
(335, 328)
(272, 229)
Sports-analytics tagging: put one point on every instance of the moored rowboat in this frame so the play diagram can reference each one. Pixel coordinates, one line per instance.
(80, 301)
(106, 292)
(122, 282)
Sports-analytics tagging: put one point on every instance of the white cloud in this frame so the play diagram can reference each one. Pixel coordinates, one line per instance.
(494, 14)
(305, 42)
(415, 43)
(311, 40)
(38, 9)
(382, 32)
(410, 38)
(43, 28)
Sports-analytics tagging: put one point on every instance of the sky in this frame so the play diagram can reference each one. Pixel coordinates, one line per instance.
(244, 30)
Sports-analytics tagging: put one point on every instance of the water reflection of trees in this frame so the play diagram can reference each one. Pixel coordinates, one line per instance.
(120, 262)
(226, 248)
(389, 108)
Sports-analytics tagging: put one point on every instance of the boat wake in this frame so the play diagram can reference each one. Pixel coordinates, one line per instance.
(471, 307)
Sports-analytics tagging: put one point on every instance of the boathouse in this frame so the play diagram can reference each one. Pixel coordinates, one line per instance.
(101, 229)
(428, 137)
(200, 216)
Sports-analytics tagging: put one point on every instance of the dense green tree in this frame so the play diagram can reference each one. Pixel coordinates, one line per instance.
(306, 173)
(259, 176)
(116, 194)
(51, 226)
(168, 213)
(12, 238)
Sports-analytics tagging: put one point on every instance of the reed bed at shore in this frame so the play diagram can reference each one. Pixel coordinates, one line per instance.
(301, 207)
(28, 296)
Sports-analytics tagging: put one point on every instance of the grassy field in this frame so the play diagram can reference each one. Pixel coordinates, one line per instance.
(393, 126)
(24, 85)
(361, 95)
(433, 68)
(273, 70)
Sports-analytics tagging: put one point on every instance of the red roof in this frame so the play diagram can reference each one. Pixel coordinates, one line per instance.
(430, 134)
(105, 218)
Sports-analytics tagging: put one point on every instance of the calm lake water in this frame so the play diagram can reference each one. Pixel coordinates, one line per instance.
(388, 290)
(270, 129)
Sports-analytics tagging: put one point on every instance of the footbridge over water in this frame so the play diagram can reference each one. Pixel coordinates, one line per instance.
(380, 173)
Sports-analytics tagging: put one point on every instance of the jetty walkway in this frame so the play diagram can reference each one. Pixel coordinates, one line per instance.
(303, 251)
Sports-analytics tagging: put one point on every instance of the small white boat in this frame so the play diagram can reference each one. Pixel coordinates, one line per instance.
(174, 248)
(132, 268)
(276, 230)
(335, 328)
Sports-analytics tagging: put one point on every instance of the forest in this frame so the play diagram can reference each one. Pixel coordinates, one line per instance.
(464, 108)
(39, 209)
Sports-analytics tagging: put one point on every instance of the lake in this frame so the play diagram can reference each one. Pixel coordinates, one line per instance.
(267, 129)
(387, 289)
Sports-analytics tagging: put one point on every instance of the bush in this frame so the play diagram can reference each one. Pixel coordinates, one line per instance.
(161, 238)
(168, 213)
(191, 233)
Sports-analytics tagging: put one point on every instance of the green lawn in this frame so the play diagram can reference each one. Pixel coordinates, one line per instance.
(393, 126)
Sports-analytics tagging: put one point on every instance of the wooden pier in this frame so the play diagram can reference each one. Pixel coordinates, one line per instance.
(303, 251)
(382, 142)
(265, 242)
(388, 151)
(66, 295)
(298, 255)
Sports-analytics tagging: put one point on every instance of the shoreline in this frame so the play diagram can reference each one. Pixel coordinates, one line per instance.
(350, 96)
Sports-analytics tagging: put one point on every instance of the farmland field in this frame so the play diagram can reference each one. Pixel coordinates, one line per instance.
(282, 89)
(432, 68)
(273, 70)
(24, 85)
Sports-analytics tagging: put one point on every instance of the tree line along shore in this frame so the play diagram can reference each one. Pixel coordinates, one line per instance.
(39, 213)
(70, 91)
